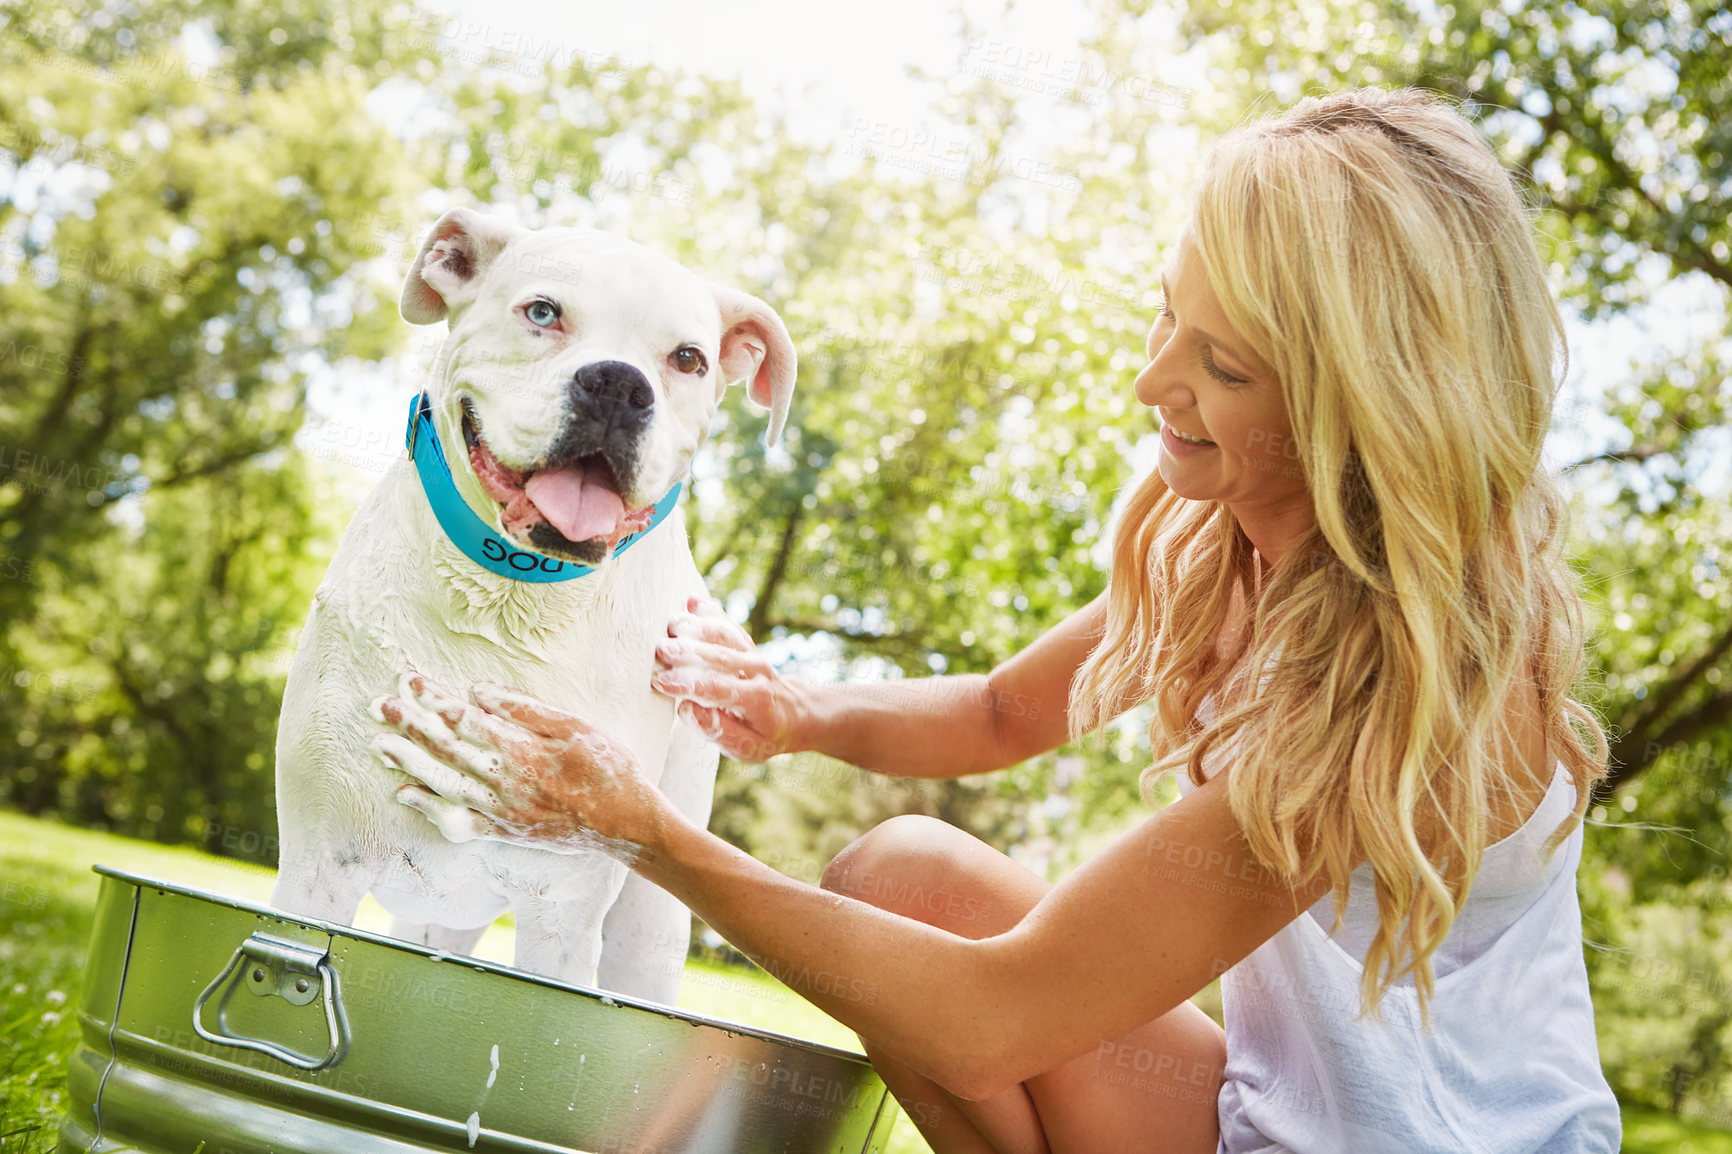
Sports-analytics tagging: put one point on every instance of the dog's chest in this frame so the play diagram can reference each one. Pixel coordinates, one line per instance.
(596, 661)
(399, 598)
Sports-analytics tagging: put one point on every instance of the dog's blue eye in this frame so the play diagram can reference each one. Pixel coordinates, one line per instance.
(542, 313)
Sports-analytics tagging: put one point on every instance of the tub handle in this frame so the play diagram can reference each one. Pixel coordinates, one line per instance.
(284, 969)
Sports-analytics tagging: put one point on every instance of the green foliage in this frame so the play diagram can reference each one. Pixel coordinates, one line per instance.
(1663, 999)
(1619, 113)
(1659, 593)
(157, 325)
(168, 645)
(260, 44)
(1655, 1132)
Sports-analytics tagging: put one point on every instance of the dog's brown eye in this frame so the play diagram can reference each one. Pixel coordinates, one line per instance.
(689, 360)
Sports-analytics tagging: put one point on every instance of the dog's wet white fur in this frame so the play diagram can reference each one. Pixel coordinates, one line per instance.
(399, 595)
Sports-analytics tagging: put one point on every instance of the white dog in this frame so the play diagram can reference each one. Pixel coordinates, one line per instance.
(580, 376)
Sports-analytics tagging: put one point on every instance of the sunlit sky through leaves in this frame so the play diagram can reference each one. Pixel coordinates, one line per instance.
(837, 70)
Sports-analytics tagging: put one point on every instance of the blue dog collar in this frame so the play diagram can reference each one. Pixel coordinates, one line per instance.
(475, 537)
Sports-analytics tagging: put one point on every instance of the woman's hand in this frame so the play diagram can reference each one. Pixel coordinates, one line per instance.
(506, 767)
(725, 687)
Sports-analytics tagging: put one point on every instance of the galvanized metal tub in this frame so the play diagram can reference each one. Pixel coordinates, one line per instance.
(213, 1025)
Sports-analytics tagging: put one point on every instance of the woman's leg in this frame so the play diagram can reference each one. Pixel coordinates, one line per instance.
(1151, 1090)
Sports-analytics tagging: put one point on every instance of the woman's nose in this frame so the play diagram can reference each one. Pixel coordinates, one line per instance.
(1161, 382)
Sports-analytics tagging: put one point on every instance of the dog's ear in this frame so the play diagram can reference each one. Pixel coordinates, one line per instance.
(756, 347)
(451, 264)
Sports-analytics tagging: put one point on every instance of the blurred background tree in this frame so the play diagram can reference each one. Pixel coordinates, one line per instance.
(177, 249)
(206, 211)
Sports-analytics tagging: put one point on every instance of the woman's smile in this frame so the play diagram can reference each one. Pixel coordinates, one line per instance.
(1183, 443)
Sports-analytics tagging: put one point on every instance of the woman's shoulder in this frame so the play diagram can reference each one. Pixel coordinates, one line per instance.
(1524, 756)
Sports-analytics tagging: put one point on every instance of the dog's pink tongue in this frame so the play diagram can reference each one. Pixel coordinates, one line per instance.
(574, 504)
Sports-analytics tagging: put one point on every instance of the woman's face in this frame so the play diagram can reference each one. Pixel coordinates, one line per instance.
(1205, 382)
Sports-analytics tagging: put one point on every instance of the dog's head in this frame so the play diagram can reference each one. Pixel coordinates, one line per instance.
(581, 374)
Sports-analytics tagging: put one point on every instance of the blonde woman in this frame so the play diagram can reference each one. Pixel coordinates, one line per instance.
(1342, 590)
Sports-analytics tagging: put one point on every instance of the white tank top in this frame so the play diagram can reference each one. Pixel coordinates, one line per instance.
(1510, 1064)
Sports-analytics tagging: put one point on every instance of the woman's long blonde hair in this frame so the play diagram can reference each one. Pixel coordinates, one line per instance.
(1371, 249)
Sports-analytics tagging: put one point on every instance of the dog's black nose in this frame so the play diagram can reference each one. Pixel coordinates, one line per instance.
(608, 411)
(615, 388)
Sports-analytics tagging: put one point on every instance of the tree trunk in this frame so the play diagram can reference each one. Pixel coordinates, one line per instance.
(759, 621)
(1644, 732)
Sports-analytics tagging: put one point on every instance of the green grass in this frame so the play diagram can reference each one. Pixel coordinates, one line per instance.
(47, 895)
(1656, 1132)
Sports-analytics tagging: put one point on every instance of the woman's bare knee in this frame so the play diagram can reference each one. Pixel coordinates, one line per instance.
(1154, 1088)
(929, 870)
(899, 842)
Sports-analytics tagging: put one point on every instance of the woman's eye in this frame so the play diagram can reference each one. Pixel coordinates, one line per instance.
(689, 360)
(1216, 371)
(542, 313)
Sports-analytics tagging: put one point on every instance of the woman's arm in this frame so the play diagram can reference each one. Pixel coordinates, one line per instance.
(1126, 937)
(936, 727)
